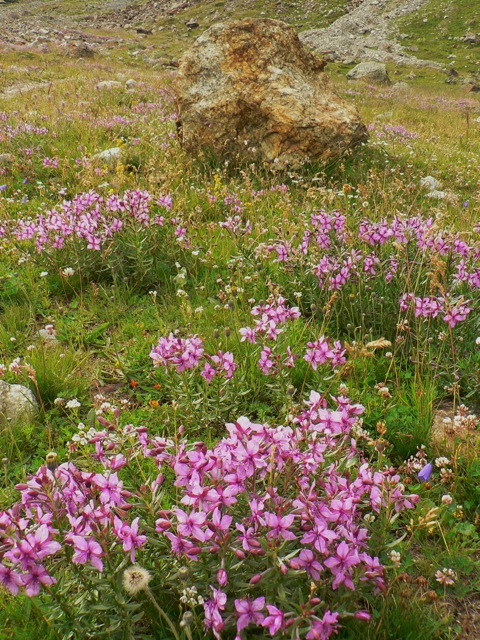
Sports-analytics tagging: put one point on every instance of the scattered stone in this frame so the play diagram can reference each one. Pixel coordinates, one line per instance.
(130, 84)
(192, 24)
(367, 31)
(6, 159)
(109, 156)
(471, 38)
(109, 84)
(17, 403)
(145, 32)
(371, 71)
(472, 87)
(384, 116)
(436, 195)
(430, 183)
(401, 86)
(249, 88)
(82, 50)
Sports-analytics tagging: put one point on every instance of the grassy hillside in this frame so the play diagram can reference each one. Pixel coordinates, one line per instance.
(192, 248)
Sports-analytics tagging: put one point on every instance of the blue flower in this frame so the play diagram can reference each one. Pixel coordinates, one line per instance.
(425, 473)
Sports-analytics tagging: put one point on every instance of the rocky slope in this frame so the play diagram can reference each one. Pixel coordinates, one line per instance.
(367, 32)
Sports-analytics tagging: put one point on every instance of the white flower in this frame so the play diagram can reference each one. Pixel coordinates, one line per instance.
(447, 499)
(44, 274)
(68, 272)
(446, 577)
(477, 341)
(395, 557)
(73, 404)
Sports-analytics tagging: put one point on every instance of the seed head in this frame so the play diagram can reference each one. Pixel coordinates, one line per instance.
(135, 579)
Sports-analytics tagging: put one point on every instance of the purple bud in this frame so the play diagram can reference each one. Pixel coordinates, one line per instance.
(222, 577)
(362, 615)
(425, 473)
(3, 187)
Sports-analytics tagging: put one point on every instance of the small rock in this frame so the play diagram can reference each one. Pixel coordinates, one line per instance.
(472, 38)
(430, 183)
(192, 24)
(5, 159)
(143, 31)
(401, 86)
(370, 71)
(109, 156)
(131, 84)
(436, 195)
(109, 84)
(17, 403)
(82, 50)
(384, 116)
(472, 87)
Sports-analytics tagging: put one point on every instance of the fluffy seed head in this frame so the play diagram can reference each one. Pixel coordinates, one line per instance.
(135, 579)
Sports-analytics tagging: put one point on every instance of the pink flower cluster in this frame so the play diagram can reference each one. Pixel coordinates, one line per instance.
(186, 353)
(64, 508)
(221, 363)
(263, 504)
(90, 217)
(272, 314)
(320, 351)
(431, 306)
(181, 353)
(277, 486)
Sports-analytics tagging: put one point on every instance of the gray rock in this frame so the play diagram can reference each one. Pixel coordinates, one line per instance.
(109, 84)
(436, 195)
(131, 84)
(17, 403)
(371, 71)
(472, 38)
(109, 156)
(430, 183)
(401, 87)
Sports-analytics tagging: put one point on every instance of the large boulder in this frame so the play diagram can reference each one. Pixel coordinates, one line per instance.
(17, 403)
(249, 88)
(371, 72)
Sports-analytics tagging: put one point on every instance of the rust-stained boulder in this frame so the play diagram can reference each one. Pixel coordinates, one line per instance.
(250, 88)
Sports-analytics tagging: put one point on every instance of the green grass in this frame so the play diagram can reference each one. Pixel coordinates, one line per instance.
(436, 33)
